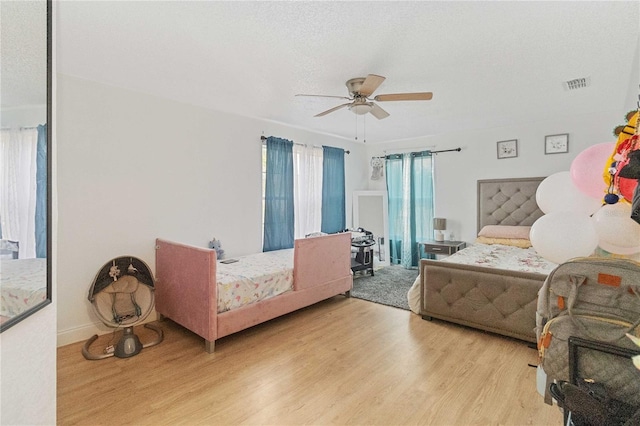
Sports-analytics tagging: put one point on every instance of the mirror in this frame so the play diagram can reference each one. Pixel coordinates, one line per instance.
(25, 160)
(371, 212)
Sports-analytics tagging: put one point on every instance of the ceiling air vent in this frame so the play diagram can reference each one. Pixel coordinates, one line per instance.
(577, 83)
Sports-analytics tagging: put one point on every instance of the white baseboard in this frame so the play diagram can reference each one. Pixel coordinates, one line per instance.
(84, 332)
(78, 334)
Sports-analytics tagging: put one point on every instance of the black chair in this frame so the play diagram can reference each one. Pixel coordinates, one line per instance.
(362, 253)
(588, 403)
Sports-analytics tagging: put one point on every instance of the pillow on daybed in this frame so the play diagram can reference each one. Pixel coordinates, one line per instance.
(315, 234)
(508, 235)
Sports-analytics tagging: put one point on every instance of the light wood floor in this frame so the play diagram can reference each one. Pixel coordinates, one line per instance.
(342, 361)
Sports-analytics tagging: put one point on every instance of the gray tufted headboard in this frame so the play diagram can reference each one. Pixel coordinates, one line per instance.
(508, 201)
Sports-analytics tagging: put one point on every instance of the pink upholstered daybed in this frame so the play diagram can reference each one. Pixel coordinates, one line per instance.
(186, 287)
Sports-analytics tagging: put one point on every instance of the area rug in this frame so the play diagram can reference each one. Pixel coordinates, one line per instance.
(389, 286)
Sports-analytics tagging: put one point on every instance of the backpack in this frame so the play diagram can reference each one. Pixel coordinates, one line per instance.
(596, 299)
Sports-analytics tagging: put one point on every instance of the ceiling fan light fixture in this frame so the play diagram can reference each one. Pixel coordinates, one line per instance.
(361, 108)
(360, 91)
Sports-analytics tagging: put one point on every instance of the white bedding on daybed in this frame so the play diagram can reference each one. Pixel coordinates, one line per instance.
(491, 256)
(22, 284)
(254, 277)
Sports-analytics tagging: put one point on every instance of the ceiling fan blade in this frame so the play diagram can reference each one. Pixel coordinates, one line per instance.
(378, 112)
(370, 84)
(420, 96)
(332, 109)
(326, 96)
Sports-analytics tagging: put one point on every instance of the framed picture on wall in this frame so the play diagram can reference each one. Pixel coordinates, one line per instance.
(508, 149)
(556, 144)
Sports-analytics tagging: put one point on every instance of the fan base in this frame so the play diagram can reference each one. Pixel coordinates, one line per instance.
(128, 345)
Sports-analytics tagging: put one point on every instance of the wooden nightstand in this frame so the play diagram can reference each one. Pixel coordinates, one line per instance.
(441, 247)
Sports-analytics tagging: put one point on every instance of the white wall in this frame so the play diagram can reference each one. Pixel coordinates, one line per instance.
(457, 173)
(27, 349)
(133, 167)
(633, 94)
(28, 370)
(23, 117)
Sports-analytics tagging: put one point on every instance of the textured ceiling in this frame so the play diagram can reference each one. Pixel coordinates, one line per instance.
(488, 63)
(23, 44)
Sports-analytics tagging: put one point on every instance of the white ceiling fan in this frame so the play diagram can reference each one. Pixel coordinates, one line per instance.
(360, 91)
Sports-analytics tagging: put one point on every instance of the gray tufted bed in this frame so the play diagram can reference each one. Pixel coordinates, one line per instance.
(494, 300)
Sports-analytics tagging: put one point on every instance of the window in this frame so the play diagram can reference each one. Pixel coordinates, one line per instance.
(317, 185)
(410, 191)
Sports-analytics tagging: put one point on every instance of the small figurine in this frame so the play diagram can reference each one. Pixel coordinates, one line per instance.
(131, 269)
(114, 271)
(217, 246)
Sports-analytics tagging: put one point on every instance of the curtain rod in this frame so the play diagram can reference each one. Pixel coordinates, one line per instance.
(19, 128)
(432, 152)
(264, 138)
(447, 150)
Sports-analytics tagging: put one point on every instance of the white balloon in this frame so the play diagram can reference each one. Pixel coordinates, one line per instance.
(557, 192)
(617, 232)
(563, 235)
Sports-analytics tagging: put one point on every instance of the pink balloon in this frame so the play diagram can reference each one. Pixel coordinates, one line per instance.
(587, 169)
